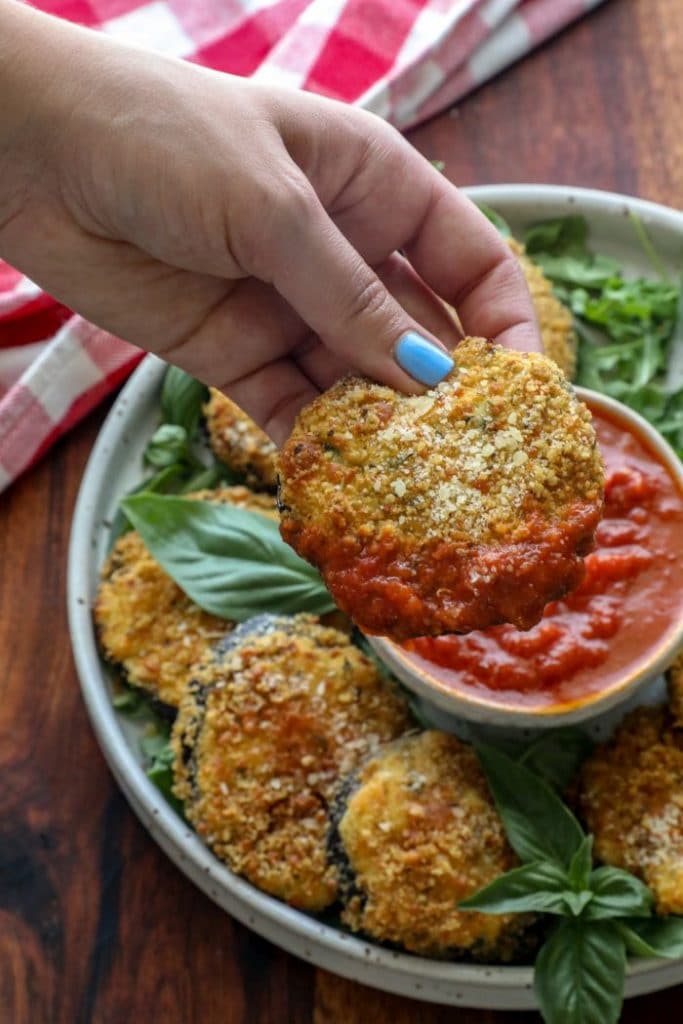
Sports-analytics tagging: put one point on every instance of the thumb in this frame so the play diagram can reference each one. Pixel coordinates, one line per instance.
(343, 300)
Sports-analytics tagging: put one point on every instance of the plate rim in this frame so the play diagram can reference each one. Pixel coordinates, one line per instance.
(486, 986)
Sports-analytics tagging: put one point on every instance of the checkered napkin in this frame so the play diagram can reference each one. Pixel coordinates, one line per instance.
(403, 59)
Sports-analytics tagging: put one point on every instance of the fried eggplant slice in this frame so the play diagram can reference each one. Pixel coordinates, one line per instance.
(631, 797)
(269, 724)
(465, 507)
(146, 625)
(416, 832)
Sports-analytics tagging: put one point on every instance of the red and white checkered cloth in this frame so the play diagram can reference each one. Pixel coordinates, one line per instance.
(403, 59)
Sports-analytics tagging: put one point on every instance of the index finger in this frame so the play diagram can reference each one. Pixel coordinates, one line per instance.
(463, 258)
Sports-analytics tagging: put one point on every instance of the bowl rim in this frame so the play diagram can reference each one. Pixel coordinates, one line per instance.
(306, 937)
(486, 710)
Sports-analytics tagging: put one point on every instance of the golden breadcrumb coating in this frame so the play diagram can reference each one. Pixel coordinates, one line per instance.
(420, 833)
(239, 442)
(554, 319)
(674, 682)
(146, 625)
(631, 796)
(261, 739)
(454, 510)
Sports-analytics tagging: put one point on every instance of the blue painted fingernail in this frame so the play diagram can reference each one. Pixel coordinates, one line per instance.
(422, 359)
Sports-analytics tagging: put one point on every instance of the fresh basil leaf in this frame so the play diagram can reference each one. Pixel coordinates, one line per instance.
(182, 398)
(231, 562)
(579, 973)
(498, 222)
(617, 893)
(557, 755)
(160, 482)
(168, 445)
(209, 477)
(580, 867)
(653, 936)
(576, 902)
(538, 824)
(532, 887)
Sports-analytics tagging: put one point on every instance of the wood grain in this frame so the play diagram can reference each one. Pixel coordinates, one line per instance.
(96, 925)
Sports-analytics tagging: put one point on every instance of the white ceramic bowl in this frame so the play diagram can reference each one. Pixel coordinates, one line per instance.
(115, 467)
(449, 705)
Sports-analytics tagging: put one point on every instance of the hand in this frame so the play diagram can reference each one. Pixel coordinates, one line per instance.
(251, 236)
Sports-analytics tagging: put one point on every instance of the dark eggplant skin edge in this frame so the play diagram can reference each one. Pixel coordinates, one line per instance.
(258, 625)
(336, 851)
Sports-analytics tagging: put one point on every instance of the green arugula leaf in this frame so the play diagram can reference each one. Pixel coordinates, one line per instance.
(156, 746)
(532, 887)
(579, 873)
(231, 562)
(557, 755)
(498, 222)
(559, 236)
(129, 702)
(617, 893)
(630, 331)
(647, 246)
(653, 936)
(159, 755)
(580, 271)
(182, 398)
(579, 974)
(538, 824)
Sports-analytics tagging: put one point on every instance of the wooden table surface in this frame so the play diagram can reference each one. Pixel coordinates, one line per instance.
(96, 925)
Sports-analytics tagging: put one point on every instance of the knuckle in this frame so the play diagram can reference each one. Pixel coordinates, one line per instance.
(368, 298)
(272, 215)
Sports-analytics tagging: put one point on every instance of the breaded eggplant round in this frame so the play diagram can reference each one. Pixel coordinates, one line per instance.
(146, 625)
(266, 729)
(631, 797)
(417, 833)
(239, 442)
(554, 319)
(462, 508)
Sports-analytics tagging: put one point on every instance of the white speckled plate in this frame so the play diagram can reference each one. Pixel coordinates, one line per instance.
(115, 467)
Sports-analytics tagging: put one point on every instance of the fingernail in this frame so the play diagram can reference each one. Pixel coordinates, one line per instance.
(422, 359)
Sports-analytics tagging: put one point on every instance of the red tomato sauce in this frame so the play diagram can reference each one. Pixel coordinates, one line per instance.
(629, 600)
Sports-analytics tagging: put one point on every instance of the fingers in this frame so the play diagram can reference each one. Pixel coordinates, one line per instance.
(418, 300)
(465, 260)
(315, 268)
(384, 196)
(273, 395)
